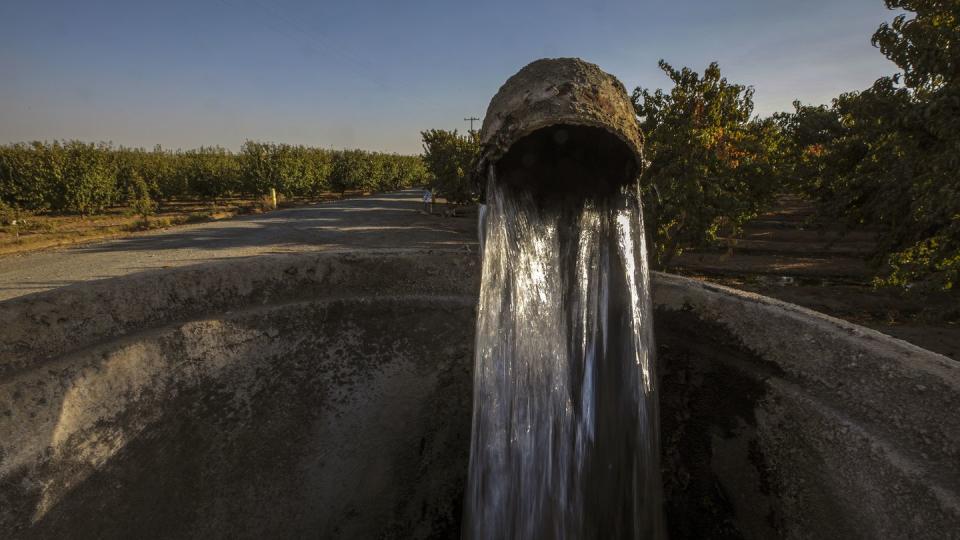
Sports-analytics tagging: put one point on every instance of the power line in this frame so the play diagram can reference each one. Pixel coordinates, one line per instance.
(471, 119)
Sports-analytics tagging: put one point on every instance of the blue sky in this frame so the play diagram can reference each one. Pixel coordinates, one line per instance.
(374, 73)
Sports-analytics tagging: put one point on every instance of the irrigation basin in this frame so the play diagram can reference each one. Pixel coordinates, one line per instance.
(328, 395)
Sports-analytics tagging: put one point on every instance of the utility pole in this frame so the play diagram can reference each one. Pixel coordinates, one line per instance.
(471, 119)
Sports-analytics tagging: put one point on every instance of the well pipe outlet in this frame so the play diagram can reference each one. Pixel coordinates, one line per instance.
(561, 125)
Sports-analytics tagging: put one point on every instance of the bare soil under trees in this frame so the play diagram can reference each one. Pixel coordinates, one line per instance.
(786, 255)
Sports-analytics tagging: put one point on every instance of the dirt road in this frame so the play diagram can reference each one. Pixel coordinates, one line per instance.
(391, 220)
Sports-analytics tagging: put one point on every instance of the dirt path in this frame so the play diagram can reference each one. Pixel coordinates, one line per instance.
(391, 220)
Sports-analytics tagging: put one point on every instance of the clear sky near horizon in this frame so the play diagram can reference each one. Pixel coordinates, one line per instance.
(373, 73)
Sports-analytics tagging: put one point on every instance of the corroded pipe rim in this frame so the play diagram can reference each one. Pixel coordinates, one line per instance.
(552, 92)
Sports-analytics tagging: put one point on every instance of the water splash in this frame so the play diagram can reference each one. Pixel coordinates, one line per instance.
(565, 430)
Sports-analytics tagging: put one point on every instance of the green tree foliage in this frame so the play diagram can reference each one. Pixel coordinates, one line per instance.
(71, 176)
(711, 165)
(24, 177)
(85, 177)
(410, 171)
(129, 164)
(449, 159)
(349, 171)
(889, 157)
(81, 178)
(261, 168)
(310, 174)
(165, 171)
(294, 170)
(138, 197)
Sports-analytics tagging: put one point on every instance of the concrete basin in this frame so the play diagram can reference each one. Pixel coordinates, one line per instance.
(328, 395)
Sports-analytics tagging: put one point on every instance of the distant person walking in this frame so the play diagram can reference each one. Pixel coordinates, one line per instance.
(428, 201)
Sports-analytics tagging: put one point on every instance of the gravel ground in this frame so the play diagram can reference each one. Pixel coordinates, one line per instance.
(391, 220)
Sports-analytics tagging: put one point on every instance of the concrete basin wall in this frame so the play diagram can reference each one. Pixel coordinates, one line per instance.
(275, 397)
(782, 422)
(329, 395)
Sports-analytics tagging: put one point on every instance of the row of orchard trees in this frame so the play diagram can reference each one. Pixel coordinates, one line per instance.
(887, 157)
(78, 177)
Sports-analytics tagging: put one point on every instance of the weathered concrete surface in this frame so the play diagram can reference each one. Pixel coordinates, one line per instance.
(275, 397)
(328, 395)
(42, 326)
(265, 423)
(385, 220)
(813, 427)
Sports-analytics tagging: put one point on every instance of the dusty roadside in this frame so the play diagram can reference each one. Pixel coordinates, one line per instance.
(382, 221)
(28, 233)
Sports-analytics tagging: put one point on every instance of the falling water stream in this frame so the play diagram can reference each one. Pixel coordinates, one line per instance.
(565, 433)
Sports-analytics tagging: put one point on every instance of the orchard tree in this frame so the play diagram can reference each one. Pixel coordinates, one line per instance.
(168, 171)
(138, 198)
(317, 166)
(449, 159)
(87, 177)
(889, 156)
(211, 172)
(81, 178)
(808, 134)
(24, 180)
(349, 171)
(711, 165)
(65, 177)
(259, 168)
(926, 46)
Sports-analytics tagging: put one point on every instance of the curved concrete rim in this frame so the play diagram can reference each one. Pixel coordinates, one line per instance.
(859, 417)
(882, 387)
(40, 326)
(675, 291)
(138, 299)
(46, 324)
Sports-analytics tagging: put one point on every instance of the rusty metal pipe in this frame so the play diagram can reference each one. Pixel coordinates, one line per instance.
(560, 125)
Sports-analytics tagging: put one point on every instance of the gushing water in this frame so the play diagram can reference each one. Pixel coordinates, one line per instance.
(565, 430)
